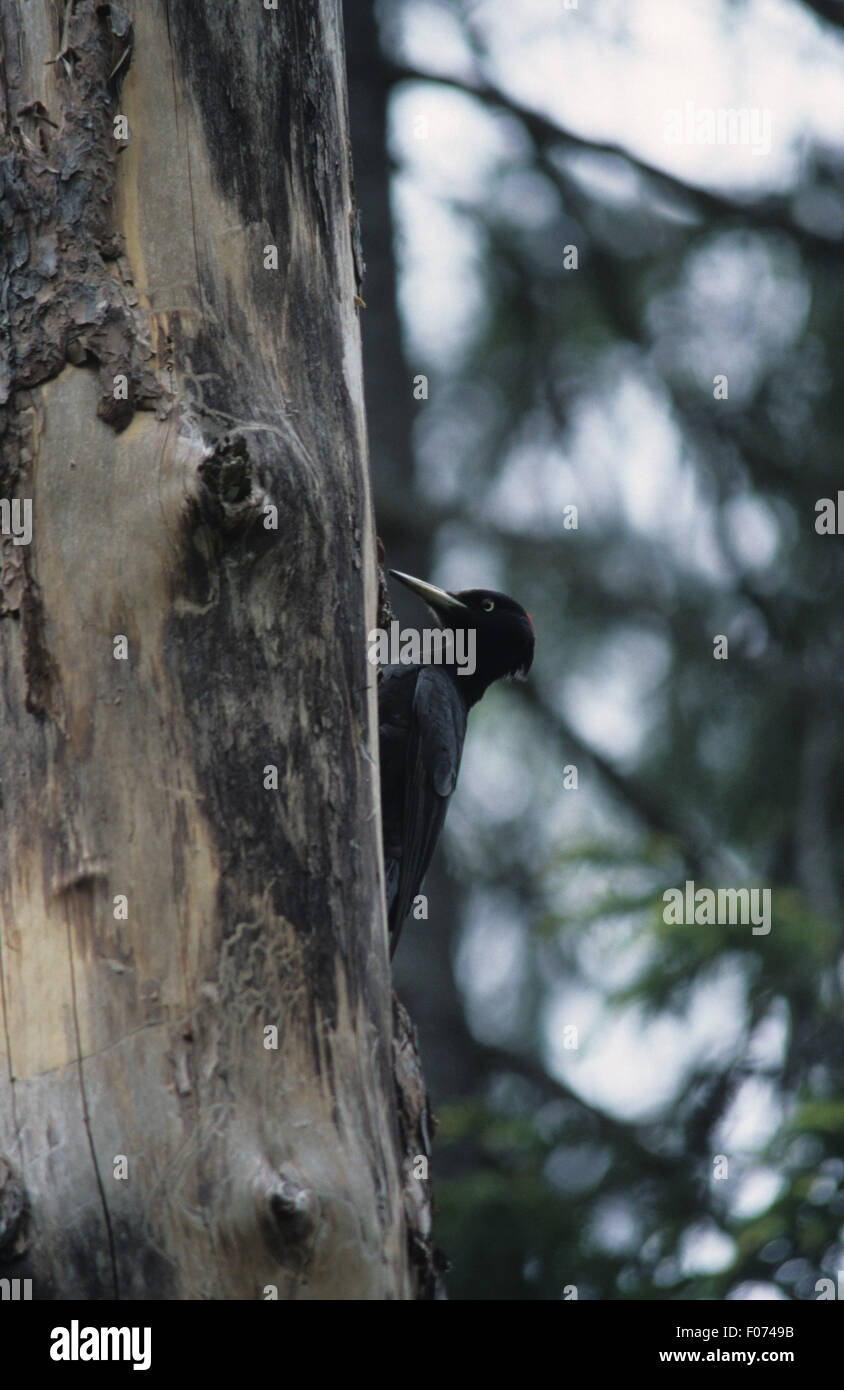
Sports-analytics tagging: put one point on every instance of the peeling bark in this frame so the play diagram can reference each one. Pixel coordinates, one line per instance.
(162, 645)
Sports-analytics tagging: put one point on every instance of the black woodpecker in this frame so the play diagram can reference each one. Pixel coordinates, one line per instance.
(422, 712)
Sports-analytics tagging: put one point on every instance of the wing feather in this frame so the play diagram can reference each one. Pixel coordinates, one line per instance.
(434, 747)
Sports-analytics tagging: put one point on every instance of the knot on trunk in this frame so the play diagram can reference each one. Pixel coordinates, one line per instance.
(231, 496)
(291, 1226)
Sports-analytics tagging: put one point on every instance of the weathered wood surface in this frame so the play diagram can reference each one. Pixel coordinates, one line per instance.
(145, 777)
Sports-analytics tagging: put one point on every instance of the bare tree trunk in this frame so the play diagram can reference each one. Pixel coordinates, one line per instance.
(183, 408)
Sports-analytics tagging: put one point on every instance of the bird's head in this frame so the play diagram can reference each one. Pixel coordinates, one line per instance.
(504, 632)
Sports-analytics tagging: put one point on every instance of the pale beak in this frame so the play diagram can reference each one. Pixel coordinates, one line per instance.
(438, 599)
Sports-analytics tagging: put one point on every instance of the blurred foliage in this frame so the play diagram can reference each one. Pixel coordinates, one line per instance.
(736, 774)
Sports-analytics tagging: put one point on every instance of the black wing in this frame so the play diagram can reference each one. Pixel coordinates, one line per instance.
(421, 745)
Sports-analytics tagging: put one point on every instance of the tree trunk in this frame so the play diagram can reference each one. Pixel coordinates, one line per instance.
(183, 408)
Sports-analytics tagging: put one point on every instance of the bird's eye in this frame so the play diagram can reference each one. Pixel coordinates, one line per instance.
(487, 605)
